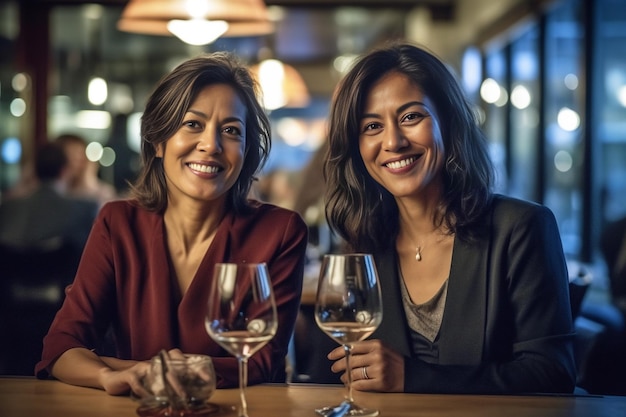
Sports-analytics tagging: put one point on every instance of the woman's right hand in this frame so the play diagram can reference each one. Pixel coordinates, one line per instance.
(120, 382)
(80, 366)
(123, 375)
(376, 366)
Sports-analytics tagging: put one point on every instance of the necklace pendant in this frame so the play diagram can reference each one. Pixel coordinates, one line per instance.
(418, 254)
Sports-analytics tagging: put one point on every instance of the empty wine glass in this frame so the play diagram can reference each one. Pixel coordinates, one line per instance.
(348, 309)
(241, 315)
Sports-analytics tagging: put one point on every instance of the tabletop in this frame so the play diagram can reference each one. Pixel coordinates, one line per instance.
(29, 397)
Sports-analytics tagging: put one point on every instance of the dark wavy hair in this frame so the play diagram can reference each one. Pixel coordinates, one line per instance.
(164, 114)
(359, 209)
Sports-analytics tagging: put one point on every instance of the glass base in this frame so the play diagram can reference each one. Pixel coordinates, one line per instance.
(166, 411)
(346, 408)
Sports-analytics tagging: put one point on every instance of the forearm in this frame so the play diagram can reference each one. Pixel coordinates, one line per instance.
(117, 364)
(80, 366)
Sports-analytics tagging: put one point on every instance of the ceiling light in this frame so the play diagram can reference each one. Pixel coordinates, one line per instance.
(281, 85)
(152, 17)
(197, 31)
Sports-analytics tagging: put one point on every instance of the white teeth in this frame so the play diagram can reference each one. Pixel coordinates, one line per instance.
(401, 164)
(204, 168)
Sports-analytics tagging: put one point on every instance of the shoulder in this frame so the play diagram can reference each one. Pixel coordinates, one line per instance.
(511, 215)
(118, 207)
(123, 206)
(126, 211)
(515, 208)
(85, 204)
(11, 204)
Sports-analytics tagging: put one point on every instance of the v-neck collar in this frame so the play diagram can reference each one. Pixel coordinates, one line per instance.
(465, 307)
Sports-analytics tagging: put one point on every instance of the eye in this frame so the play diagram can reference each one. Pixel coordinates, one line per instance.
(232, 130)
(415, 116)
(369, 127)
(192, 124)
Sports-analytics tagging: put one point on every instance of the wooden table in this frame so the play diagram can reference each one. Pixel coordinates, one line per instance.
(26, 397)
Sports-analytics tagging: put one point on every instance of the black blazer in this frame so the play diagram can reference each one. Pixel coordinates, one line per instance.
(507, 325)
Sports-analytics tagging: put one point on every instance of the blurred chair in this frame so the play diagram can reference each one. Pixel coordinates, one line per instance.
(603, 367)
(578, 287)
(32, 285)
(600, 340)
(587, 331)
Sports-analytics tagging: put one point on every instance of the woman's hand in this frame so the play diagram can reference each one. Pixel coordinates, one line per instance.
(124, 375)
(80, 366)
(119, 382)
(375, 366)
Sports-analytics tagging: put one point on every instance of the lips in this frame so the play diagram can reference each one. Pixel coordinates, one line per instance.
(205, 169)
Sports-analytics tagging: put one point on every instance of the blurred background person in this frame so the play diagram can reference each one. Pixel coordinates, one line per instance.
(48, 216)
(42, 234)
(84, 181)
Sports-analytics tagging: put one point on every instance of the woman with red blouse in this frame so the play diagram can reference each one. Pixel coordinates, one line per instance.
(148, 263)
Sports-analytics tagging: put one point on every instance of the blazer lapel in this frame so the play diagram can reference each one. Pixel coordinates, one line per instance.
(464, 317)
(465, 311)
(394, 327)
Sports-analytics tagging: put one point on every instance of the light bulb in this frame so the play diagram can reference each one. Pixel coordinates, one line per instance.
(197, 31)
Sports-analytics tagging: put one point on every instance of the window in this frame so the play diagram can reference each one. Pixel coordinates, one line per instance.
(524, 97)
(494, 94)
(564, 117)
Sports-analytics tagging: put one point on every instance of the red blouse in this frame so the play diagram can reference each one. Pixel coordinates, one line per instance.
(124, 282)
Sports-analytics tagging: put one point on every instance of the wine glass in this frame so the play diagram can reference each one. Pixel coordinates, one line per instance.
(348, 309)
(241, 315)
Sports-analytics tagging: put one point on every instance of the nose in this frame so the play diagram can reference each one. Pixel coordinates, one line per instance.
(210, 141)
(394, 139)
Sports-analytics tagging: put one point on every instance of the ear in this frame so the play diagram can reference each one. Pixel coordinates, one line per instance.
(160, 149)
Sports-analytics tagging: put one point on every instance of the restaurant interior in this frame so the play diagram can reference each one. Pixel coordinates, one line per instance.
(547, 78)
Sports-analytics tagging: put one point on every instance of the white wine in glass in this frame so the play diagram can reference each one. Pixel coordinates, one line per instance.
(241, 315)
(348, 309)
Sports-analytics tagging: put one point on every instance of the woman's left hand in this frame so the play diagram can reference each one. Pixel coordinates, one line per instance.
(375, 366)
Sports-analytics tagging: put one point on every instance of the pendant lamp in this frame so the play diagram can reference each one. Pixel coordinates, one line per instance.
(281, 84)
(197, 22)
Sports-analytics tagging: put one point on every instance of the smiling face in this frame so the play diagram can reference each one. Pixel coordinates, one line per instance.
(400, 139)
(203, 159)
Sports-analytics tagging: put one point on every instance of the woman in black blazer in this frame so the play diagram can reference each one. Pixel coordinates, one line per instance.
(475, 285)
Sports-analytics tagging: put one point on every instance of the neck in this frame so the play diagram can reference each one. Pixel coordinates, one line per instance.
(418, 229)
(191, 225)
(417, 219)
(419, 216)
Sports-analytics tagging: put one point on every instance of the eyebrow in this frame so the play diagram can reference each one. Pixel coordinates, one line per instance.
(226, 120)
(399, 110)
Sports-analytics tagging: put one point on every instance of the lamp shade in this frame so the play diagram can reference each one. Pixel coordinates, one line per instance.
(244, 17)
(159, 27)
(281, 84)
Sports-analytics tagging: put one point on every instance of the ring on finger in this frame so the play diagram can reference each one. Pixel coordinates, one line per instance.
(364, 372)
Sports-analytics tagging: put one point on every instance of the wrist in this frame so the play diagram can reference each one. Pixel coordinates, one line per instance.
(103, 375)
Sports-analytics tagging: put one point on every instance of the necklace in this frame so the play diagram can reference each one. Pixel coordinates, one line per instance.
(418, 251)
(438, 238)
(418, 254)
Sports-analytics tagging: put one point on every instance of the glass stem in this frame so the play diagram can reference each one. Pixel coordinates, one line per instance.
(243, 382)
(348, 349)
